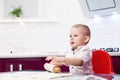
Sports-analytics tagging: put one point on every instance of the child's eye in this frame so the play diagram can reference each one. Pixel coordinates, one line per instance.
(70, 36)
(75, 35)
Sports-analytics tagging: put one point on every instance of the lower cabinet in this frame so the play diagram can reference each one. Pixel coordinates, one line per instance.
(116, 64)
(36, 63)
(18, 64)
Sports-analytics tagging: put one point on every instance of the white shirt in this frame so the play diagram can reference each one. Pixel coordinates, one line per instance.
(82, 52)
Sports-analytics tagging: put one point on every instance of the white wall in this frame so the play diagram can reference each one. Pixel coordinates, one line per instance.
(105, 32)
(54, 36)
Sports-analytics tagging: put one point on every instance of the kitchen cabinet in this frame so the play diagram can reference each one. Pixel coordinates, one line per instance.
(36, 63)
(18, 64)
(116, 64)
(35, 9)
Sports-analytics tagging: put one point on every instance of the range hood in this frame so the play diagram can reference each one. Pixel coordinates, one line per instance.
(100, 7)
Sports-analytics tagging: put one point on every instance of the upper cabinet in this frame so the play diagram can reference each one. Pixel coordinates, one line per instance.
(32, 10)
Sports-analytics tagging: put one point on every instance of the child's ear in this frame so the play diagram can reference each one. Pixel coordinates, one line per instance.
(86, 39)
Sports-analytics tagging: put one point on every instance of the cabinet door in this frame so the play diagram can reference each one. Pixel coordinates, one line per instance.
(2, 65)
(7, 64)
(18, 64)
(36, 64)
(32, 63)
(65, 68)
(116, 64)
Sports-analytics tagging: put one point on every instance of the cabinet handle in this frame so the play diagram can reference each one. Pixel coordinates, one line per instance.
(20, 67)
(11, 67)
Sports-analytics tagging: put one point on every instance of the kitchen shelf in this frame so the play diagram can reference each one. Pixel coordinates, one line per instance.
(28, 20)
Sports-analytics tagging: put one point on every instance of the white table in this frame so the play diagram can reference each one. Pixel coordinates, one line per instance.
(44, 75)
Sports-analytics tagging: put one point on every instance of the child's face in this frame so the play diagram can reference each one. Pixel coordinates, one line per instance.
(77, 37)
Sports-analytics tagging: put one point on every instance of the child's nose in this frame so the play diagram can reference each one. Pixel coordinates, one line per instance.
(71, 38)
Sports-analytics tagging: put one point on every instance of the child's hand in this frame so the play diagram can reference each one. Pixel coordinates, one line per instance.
(50, 58)
(56, 63)
(55, 60)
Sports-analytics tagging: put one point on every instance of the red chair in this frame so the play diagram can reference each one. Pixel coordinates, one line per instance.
(102, 62)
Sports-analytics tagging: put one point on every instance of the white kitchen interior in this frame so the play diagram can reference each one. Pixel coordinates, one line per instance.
(45, 24)
(43, 30)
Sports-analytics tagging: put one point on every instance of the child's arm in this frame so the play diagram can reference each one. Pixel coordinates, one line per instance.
(73, 61)
(64, 61)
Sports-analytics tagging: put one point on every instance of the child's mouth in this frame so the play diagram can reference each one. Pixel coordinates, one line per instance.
(72, 42)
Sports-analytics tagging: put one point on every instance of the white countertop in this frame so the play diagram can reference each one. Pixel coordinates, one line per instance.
(45, 75)
(114, 53)
(41, 54)
(30, 54)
